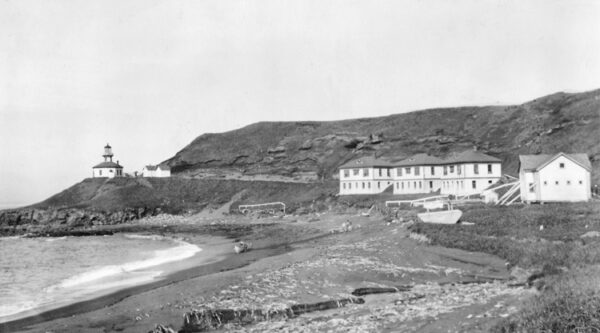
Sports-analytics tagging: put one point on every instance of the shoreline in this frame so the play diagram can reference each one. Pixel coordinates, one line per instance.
(212, 263)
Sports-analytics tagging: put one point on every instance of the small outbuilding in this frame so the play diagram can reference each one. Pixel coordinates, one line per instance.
(555, 178)
(160, 170)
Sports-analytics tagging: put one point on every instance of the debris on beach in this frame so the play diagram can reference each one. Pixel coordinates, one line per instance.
(207, 319)
(242, 247)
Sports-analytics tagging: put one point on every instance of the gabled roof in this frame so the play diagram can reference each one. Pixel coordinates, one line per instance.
(537, 162)
(366, 162)
(160, 166)
(470, 156)
(420, 159)
(107, 165)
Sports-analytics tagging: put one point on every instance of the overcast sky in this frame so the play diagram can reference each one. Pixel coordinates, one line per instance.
(149, 76)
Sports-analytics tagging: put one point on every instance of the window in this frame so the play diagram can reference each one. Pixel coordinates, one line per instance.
(474, 184)
(430, 184)
(100, 172)
(355, 172)
(378, 184)
(545, 182)
(407, 171)
(111, 170)
(489, 168)
(379, 172)
(489, 181)
(531, 188)
(561, 165)
(402, 185)
(397, 185)
(363, 185)
(369, 184)
(556, 182)
(417, 171)
(445, 170)
(476, 169)
(346, 173)
(580, 182)
(399, 172)
(420, 184)
(365, 172)
(432, 171)
(458, 169)
(415, 185)
(568, 182)
(452, 169)
(344, 186)
(349, 186)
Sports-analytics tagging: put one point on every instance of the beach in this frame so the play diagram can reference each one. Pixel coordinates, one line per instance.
(298, 259)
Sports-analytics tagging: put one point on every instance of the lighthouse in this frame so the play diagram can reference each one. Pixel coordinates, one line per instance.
(108, 168)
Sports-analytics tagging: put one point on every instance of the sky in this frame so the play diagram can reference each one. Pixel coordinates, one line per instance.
(148, 76)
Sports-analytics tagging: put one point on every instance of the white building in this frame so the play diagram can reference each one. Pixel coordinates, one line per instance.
(469, 172)
(366, 175)
(160, 170)
(108, 168)
(560, 177)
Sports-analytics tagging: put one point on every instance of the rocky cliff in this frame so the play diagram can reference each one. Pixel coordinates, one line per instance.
(314, 150)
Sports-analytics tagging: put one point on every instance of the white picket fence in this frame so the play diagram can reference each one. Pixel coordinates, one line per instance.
(269, 207)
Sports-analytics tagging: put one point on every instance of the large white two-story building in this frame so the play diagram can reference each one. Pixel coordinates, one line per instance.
(366, 175)
(469, 172)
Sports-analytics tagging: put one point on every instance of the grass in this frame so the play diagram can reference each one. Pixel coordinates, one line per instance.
(569, 264)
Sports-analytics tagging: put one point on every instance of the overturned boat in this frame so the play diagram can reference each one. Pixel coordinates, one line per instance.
(449, 216)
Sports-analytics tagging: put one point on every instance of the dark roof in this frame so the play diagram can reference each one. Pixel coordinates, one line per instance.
(420, 159)
(536, 162)
(161, 166)
(367, 161)
(470, 156)
(107, 165)
(107, 146)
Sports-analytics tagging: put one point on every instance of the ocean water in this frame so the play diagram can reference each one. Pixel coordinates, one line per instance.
(39, 272)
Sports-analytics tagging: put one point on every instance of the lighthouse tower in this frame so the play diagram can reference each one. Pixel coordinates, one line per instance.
(108, 168)
(108, 155)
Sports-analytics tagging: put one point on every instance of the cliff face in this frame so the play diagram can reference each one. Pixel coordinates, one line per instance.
(314, 150)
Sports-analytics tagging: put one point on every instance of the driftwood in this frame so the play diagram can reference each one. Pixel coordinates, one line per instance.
(209, 319)
(162, 329)
(368, 291)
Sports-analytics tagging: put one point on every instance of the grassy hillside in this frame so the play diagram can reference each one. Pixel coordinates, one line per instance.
(177, 195)
(559, 122)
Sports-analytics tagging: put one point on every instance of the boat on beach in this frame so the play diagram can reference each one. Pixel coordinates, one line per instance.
(449, 216)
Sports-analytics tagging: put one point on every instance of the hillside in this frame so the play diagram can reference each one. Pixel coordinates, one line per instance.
(314, 150)
(177, 195)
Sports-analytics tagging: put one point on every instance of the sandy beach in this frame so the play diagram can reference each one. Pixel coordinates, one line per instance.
(299, 260)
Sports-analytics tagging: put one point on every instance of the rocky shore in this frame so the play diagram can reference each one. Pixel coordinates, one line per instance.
(62, 221)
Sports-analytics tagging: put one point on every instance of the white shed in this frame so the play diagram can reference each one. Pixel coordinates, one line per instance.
(555, 178)
(156, 171)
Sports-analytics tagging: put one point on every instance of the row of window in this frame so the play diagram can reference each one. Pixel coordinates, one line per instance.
(368, 185)
(417, 171)
(556, 182)
(417, 185)
(119, 172)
